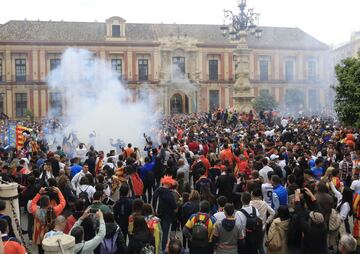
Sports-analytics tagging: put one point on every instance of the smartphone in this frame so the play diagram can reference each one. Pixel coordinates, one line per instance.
(93, 210)
(48, 189)
(302, 191)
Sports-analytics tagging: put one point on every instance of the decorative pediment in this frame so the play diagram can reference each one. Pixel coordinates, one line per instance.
(178, 43)
(115, 28)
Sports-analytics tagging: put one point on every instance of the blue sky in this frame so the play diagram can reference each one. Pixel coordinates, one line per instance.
(330, 21)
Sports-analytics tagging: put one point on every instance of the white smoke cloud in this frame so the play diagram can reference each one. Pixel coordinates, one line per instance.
(96, 101)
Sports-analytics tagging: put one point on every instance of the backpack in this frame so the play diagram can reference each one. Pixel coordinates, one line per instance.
(110, 245)
(148, 249)
(137, 184)
(274, 244)
(84, 196)
(253, 227)
(151, 222)
(199, 232)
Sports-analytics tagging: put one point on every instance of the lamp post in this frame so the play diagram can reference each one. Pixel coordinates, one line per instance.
(239, 27)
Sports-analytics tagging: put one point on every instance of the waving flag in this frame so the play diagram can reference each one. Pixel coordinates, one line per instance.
(22, 133)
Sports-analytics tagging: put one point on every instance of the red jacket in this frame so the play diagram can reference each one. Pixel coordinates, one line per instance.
(13, 246)
(70, 221)
(227, 154)
(206, 163)
(40, 227)
(193, 146)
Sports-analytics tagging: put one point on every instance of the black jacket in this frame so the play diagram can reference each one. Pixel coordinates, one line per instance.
(139, 240)
(164, 203)
(111, 229)
(91, 163)
(68, 195)
(226, 183)
(314, 236)
(122, 211)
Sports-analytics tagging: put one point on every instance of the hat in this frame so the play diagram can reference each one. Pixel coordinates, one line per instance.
(274, 157)
(316, 217)
(167, 180)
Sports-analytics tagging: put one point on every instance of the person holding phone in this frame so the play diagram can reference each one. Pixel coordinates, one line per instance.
(44, 214)
(77, 231)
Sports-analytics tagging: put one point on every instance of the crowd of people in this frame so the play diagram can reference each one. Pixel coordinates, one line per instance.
(219, 182)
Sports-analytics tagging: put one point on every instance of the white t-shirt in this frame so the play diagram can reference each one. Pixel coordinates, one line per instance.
(76, 179)
(264, 172)
(62, 165)
(81, 153)
(267, 190)
(241, 218)
(355, 185)
(284, 122)
(88, 188)
(219, 216)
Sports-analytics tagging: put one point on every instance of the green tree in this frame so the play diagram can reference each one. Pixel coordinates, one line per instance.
(29, 115)
(347, 98)
(264, 102)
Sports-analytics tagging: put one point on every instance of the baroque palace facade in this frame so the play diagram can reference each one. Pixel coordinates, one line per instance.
(283, 62)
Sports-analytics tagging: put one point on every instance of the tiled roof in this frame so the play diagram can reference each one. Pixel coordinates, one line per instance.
(52, 31)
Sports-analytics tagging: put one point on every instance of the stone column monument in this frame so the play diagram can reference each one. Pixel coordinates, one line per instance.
(9, 193)
(242, 90)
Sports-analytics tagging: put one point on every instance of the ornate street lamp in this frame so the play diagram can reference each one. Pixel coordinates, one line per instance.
(240, 26)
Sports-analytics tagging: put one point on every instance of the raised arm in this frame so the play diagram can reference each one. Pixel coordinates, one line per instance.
(93, 243)
(60, 207)
(34, 206)
(337, 193)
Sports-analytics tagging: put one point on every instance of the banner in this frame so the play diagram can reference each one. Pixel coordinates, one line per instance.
(20, 137)
(12, 135)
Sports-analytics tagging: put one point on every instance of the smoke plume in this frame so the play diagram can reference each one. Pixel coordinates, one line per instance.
(97, 103)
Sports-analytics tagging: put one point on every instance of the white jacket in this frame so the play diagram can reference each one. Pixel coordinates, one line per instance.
(88, 247)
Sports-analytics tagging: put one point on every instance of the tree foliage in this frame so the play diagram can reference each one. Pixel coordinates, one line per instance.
(264, 102)
(29, 114)
(347, 99)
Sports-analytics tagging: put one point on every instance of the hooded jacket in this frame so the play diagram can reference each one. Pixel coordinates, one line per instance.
(111, 229)
(226, 236)
(314, 236)
(88, 247)
(164, 203)
(282, 227)
(140, 240)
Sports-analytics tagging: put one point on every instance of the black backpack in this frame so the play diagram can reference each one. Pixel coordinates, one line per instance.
(84, 196)
(253, 228)
(199, 232)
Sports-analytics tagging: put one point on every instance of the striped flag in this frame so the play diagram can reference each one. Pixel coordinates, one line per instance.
(21, 133)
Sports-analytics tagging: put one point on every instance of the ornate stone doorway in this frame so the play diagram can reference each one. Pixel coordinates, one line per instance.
(179, 103)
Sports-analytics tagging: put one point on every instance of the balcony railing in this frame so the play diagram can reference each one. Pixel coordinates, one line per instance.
(21, 79)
